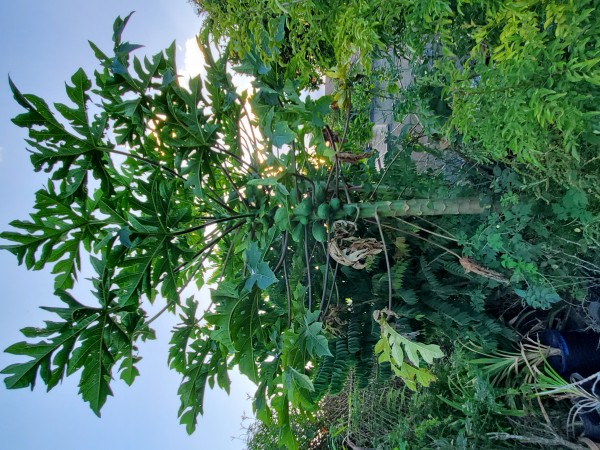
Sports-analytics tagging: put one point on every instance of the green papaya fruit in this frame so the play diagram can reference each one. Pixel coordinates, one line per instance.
(319, 232)
(335, 204)
(323, 211)
(304, 208)
(339, 214)
(298, 232)
(319, 192)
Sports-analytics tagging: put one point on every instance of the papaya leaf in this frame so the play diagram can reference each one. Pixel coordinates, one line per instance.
(96, 360)
(260, 272)
(404, 355)
(52, 143)
(311, 335)
(246, 328)
(226, 298)
(415, 351)
(196, 357)
(191, 390)
(299, 388)
(87, 339)
(183, 335)
(300, 380)
(55, 234)
(262, 275)
(204, 362)
(154, 257)
(287, 438)
(49, 358)
(78, 94)
(282, 134)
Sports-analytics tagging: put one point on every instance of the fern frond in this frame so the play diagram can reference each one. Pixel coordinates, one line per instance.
(454, 313)
(384, 372)
(409, 296)
(322, 379)
(402, 250)
(341, 366)
(397, 273)
(364, 370)
(442, 291)
(355, 333)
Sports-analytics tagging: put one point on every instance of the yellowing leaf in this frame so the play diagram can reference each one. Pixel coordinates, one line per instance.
(405, 355)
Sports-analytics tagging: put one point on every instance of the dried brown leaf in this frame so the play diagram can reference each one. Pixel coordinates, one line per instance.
(471, 266)
(349, 250)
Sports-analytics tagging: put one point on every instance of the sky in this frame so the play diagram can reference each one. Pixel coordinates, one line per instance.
(42, 44)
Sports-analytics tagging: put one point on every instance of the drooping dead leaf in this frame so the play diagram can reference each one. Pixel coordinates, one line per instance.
(471, 266)
(351, 158)
(333, 322)
(349, 250)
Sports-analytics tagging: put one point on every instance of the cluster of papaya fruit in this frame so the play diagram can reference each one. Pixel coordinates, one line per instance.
(311, 210)
(306, 210)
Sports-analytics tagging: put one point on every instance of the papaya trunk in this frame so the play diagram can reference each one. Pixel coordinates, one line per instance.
(417, 207)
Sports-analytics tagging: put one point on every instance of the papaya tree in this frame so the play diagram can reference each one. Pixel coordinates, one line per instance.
(166, 186)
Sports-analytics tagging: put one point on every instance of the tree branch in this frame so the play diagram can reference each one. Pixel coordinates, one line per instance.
(387, 261)
(307, 256)
(213, 222)
(143, 159)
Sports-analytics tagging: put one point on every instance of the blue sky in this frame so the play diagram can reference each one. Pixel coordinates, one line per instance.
(42, 43)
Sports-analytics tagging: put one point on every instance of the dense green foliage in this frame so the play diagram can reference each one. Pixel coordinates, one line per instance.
(502, 80)
(517, 83)
(304, 38)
